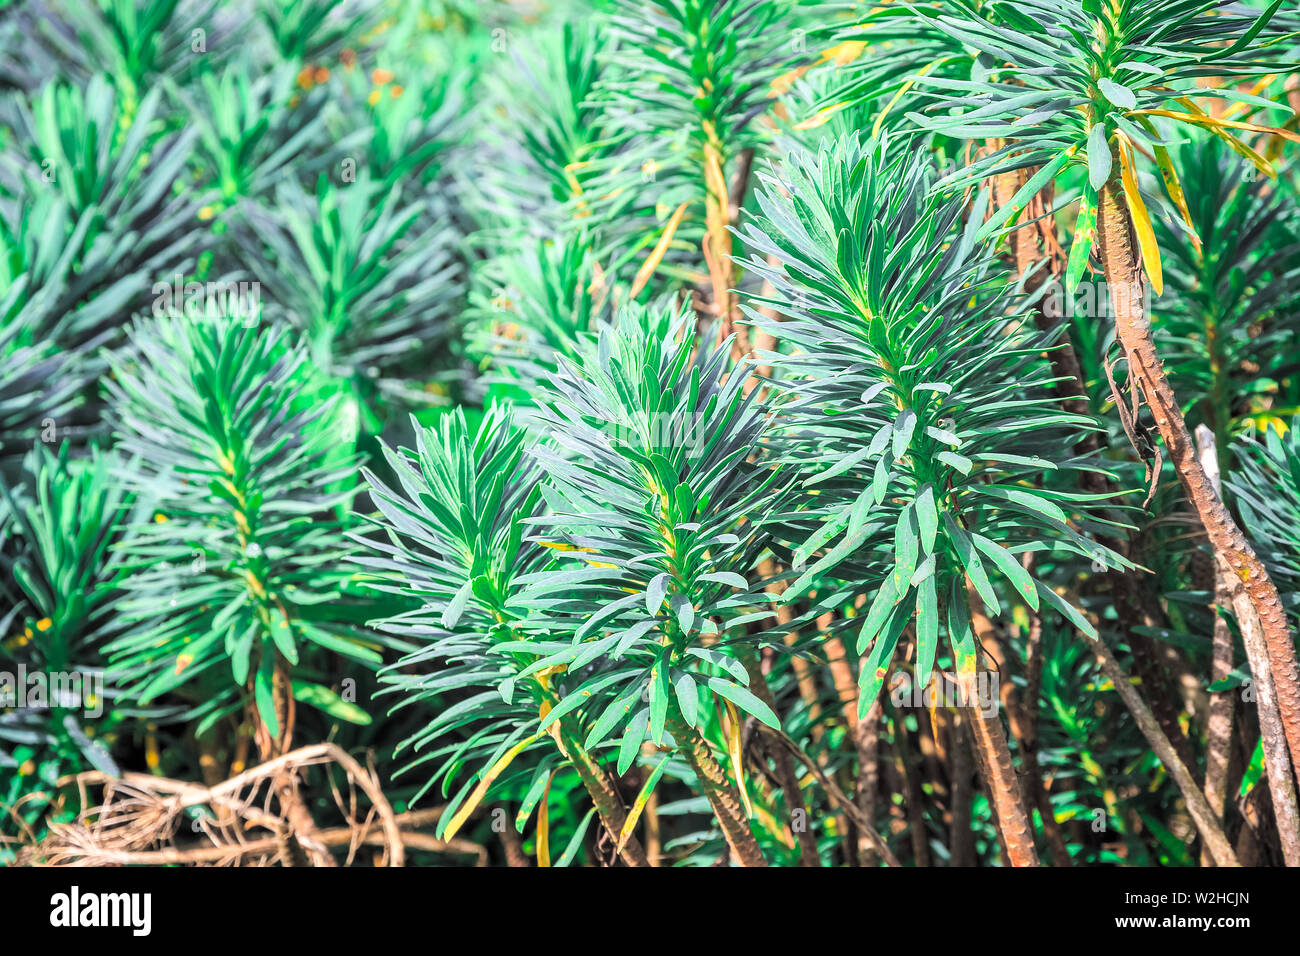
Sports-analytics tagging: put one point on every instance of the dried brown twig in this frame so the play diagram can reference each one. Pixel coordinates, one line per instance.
(139, 820)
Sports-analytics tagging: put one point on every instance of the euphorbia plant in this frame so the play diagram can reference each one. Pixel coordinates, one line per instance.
(1098, 84)
(229, 575)
(922, 414)
(455, 538)
(656, 481)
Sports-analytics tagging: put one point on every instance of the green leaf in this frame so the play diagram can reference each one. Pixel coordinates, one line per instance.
(639, 805)
(876, 667)
(1070, 613)
(262, 692)
(718, 659)
(882, 606)
(1085, 233)
(726, 577)
(655, 591)
(960, 635)
(632, 738)
(745, 700)
(687, 696)
(903, 429)
(970, 559)
(927, 518)
(322, 698)
(1099, 157)
(1255, 771)
(927, 629)
(1013, 209)
(611, 715)
(575, 841)
(659, 690)
(906, 548)
(451, 614)
(1012, 569)
(1118, 95)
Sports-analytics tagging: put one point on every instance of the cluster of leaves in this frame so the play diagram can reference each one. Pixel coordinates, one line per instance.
(595, 411)
(230, 261)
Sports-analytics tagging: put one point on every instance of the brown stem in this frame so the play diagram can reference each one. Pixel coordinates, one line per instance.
(603, 795)
(1280, 782)
(1004, 786)
(962, 767)
(1218, 731)
(721, 793)
(1232, 550)
(785, 775)
(1258, 838)
(994, 755)
(1215, 841)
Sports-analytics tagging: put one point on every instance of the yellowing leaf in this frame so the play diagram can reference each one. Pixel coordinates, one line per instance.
(639, 806)
(1173, 185)
(657, 253)
(734, 750)
(841, 53)
(821, 117)
(481, 790)
(1141, 220)
(1200, 118)
(544, 825)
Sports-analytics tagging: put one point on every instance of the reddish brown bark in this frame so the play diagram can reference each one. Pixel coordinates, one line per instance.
(994, 758)
(1004, 787)
(1230, 546)
(1218, 730)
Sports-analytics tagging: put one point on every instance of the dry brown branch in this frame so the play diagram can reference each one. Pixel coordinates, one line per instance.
(139, 819)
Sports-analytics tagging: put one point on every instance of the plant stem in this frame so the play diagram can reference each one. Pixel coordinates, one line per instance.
(608, 806)
(1218, 731)
(721, 793)
(1276, 764)
(1004, 787)
(785, 775)
(994, 756)
(1215, 841)
(1231, 549)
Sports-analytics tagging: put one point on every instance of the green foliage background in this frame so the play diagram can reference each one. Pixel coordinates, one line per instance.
(468, 473)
